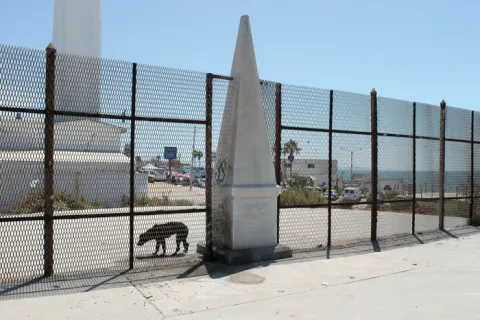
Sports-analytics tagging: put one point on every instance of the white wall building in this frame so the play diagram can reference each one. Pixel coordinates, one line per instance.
(316, 168)
(361, 180)
(88, 153)
(76, 135)
(397, 185)
(87, 161)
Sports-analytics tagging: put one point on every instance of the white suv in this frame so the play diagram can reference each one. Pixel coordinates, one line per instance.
(353, 194)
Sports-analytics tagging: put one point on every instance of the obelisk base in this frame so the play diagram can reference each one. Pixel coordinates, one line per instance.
(250, 233)
(245, 256)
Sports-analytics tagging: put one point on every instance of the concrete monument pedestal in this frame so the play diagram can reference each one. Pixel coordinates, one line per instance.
(247, 191)
(236, 257)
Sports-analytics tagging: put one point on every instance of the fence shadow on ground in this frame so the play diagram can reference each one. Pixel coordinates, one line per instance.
(61, 284)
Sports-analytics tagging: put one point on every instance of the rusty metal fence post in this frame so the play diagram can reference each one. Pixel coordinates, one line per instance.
(208, 165)
(330, 134)
(51, 55)
(374, 163)
(441, 214)
(278, 147)
(472, 168)
(132, 165)
(414, 166)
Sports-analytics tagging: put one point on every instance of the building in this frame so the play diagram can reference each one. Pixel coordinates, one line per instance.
(88, 157)
(88, 161)
(361, 177)
(76, 135)
(316, 168)
(396, 185)
(361, 180)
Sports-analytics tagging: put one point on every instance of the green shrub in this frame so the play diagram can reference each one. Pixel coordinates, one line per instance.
(426, 207)
(453, 208)
(345, 200)
(145, 201)
(62, 201)
(457, 208)
(298, 181)
(364, 190)
(301, 196)
(396, 207)
(389, 195)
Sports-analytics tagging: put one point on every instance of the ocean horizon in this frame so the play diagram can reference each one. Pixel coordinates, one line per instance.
(427, 178)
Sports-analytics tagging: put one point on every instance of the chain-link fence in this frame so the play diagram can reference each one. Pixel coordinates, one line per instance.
(359, 168)
(104, 165)
(109, 165)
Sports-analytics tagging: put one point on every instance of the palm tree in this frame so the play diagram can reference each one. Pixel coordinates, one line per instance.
(291, 148)
(198, 155)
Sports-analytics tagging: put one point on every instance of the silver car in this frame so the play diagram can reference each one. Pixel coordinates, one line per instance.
(334, 195)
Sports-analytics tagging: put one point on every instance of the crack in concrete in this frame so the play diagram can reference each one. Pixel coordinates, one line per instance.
(305, 291)
(147, 299)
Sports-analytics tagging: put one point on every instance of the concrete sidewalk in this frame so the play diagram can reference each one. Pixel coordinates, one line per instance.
(437, 280)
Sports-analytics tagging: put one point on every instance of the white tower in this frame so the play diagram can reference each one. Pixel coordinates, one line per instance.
(77, 27)
(77, 37)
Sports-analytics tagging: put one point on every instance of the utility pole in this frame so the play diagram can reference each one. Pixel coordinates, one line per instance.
(351, 160)
(351, 165)
(192, 171)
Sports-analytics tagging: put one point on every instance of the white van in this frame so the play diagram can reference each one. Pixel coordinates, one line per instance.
(353, 194)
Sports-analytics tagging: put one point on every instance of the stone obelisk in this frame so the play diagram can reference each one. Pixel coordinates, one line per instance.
(245, 177)
(77, 37)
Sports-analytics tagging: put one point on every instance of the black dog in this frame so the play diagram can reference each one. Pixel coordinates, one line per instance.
(160, 232)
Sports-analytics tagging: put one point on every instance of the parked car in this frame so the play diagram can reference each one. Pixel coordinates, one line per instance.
(335, 194)
(199, 182)
(160, 175)
(154, 175)
(353, 194)
(150, 175)
(199, 172)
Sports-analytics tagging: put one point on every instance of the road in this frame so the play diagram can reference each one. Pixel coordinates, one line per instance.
(177, 192)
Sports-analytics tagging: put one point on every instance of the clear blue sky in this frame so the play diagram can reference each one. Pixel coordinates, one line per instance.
(412, 50)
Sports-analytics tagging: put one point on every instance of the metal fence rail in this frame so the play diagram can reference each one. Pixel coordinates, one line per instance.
(94, 124)
(84, 169)
(422, 140)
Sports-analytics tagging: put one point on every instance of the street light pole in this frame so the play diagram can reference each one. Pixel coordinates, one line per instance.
(192, 171)
(351, 160)
(351, 165)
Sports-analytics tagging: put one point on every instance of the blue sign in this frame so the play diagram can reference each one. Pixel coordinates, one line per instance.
(170, 153)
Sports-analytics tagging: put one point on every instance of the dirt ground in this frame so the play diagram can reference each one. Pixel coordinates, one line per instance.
(176, 192)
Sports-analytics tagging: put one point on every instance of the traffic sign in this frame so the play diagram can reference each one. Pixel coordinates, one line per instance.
(170, 153)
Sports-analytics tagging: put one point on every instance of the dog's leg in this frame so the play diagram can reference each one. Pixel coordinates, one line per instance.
(178, 247)
(164, 247)
(185, 246)
(157, 247)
